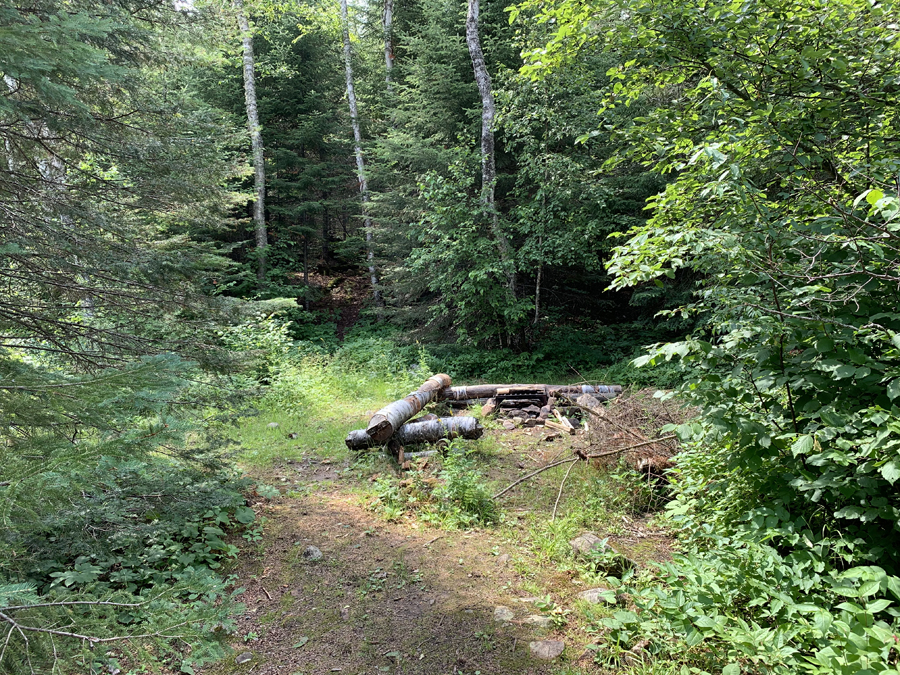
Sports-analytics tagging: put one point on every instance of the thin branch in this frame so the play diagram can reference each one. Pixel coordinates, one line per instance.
(74, 602)
(582, 457)
(608, 453)
(535, 473)
(561, 485)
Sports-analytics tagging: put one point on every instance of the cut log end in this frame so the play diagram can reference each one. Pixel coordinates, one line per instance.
(379, 430)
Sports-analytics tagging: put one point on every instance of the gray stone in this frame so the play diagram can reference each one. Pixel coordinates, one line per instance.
(509, 426)
(243, 658)
(503, 614)
(503, 559)
(272, 425)
(588, 542)
(595, 596)
(311, 553)
(546, 649)
(538, 620)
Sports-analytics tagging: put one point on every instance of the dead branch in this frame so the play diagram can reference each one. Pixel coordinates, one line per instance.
(581, 456)
(630, 447)
(535, 473)
(559, 496)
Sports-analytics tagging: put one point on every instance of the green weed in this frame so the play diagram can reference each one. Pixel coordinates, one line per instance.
(455, 497)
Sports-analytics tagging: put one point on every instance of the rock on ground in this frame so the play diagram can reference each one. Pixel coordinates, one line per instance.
(546, 649)
(588, 542)
(538, 620)
(503, 614)
(312, 553)
(595, 596)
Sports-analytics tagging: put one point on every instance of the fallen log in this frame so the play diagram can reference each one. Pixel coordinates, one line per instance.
(492, 390)
(422, 432)
(386, 421)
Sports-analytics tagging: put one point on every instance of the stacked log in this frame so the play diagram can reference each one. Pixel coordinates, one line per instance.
(424, 431)
(389, 419)
(529, 404)
(601, 391)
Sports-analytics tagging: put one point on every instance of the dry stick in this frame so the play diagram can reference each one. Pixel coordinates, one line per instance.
(631, 447)
(561, 485)
(535, 473)
(575, 459)
(607, 419)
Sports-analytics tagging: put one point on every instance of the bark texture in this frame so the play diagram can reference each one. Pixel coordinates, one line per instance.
(488, 161)
(357, 150)
(388, 44)
(477, 391)
(256, 140)
(386, 421)
(421, 432)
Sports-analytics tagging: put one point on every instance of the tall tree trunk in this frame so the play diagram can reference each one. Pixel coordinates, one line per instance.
(388, 44)
(360, 162)
(488, 164)
(256, 141)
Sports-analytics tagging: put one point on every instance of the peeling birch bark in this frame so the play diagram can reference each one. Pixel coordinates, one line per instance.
(360, 161)
(428, 431)
(477, 391)
(388, 44)
(387, 420)
(488, 161)
(256, 140)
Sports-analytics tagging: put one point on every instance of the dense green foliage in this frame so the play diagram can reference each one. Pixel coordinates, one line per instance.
(726, 172)
(777, 124)
(109, 163)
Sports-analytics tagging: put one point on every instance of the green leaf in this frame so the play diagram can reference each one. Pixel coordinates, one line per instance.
(731, 669)
(803, 445)
(244, 514)
(844, 371)
(873, 196)
(891, 472)
(893, 388)
(302, 641)
(878, 605)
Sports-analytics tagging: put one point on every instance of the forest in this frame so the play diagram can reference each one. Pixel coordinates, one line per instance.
(231, 231)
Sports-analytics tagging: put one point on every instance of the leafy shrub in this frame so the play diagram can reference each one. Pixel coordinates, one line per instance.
(455, 498)
(150, 533)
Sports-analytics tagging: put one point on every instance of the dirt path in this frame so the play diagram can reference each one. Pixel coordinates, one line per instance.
(400, 597)
(383, 597)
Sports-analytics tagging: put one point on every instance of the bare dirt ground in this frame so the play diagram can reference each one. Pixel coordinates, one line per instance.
(403, 597)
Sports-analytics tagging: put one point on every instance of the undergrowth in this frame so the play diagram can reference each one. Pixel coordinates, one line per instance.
(453, 496)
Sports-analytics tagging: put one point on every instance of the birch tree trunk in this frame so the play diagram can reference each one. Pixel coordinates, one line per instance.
(388, 44)
(490, 390)
(256, 141)
(488, 163)
(427, 431)
(390, 418)
(360, 162)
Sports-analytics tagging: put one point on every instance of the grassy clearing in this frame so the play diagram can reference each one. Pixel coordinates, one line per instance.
(315, 399)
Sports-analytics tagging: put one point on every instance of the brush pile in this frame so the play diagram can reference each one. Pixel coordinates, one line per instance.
(521, 404)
